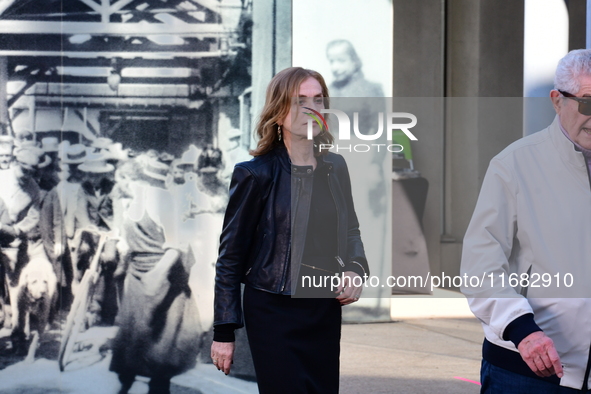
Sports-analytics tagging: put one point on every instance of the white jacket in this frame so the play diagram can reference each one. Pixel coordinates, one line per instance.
(534, 213)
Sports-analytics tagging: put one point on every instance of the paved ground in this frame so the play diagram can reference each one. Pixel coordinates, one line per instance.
(416, 356)
(413, 356)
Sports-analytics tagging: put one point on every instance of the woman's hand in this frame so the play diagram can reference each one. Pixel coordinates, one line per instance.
(348, 291)
(222, 354)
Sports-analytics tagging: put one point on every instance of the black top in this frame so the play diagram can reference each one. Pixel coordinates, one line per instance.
(321, 247)
(321, 237)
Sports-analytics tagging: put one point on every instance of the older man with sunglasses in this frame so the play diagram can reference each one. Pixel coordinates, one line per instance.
(530, 237)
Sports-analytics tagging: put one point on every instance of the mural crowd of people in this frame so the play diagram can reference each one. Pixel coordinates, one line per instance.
(156, 212)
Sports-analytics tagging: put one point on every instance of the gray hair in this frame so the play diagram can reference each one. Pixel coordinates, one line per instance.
(570, 68)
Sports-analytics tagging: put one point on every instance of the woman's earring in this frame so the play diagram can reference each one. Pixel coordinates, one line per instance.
(279, 131)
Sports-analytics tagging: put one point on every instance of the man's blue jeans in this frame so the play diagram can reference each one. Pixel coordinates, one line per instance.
(497, 380)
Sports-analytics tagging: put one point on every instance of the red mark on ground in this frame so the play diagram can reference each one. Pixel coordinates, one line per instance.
(467, 380)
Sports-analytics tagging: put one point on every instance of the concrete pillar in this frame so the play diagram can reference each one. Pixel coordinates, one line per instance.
(419, 72)
(484, 59)
(458, 48)
(484, 48)
(418, 48)
(577, 22)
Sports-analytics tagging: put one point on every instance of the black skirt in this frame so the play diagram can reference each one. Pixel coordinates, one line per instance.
(295, 342)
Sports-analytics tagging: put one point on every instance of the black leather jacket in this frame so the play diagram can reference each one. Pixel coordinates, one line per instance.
(263, 238)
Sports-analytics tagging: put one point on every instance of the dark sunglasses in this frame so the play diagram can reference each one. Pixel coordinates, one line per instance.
(584, 103)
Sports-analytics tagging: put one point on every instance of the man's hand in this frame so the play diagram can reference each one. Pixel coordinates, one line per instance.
(348, 292)
(538, 351)
(222, 354)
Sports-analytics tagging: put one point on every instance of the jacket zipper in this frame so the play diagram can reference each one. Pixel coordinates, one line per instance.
(285, 265)
(288, 257)
(337, 257)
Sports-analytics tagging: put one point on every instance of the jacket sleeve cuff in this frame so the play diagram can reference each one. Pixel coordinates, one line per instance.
(224, 332)
(520, 328)
(357, 268)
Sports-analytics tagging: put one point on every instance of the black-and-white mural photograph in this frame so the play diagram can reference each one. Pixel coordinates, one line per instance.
(121, 122)
(355, 56)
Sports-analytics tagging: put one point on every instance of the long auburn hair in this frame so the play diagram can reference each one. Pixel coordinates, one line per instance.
(282, 89)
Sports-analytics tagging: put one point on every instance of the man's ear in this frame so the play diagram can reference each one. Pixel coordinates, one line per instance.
(556, 98)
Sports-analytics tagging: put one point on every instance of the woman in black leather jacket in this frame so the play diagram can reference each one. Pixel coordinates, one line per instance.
(290, 223)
